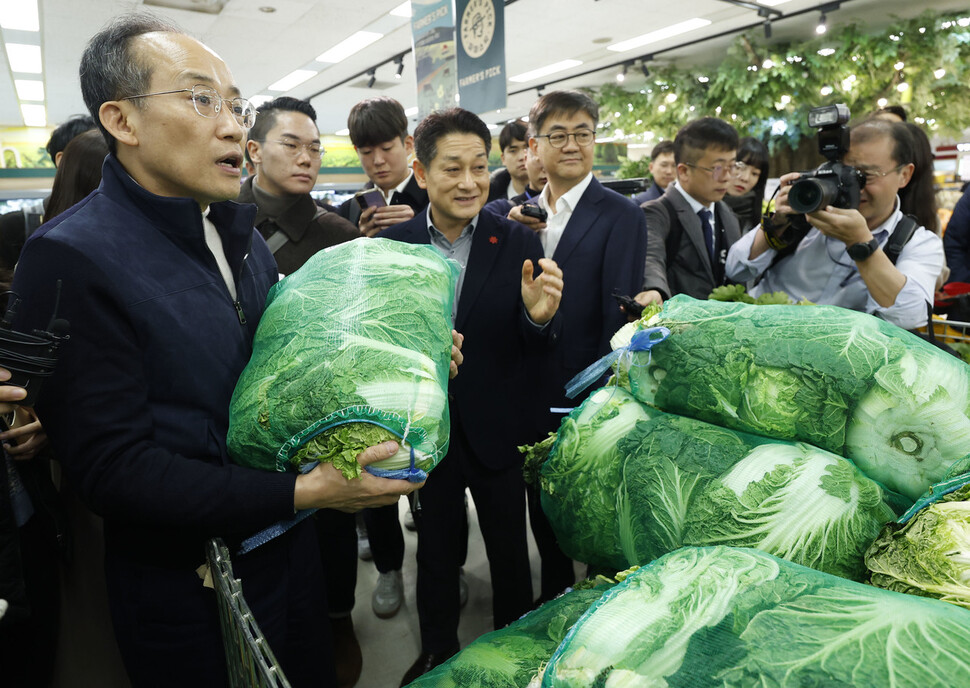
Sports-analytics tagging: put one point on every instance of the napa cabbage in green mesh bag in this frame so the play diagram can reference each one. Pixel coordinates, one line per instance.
(841, 380)
(513, 656)
(624, 483)
(736, 618)
(353, 349)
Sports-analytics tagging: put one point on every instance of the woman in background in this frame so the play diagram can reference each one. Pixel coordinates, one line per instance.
(746, 193)
(79, 173)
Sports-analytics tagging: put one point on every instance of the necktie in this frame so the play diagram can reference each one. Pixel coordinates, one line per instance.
(705, 215)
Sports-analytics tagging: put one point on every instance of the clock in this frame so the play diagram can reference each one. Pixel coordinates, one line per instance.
(477, 27)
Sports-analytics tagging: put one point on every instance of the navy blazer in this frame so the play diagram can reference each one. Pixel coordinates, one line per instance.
(491, 396)
(601, 251)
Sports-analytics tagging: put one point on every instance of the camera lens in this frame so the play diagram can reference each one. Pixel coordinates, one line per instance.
(809, 195)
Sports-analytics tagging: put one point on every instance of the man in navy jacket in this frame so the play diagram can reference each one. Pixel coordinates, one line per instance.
(163, 283)
(507, 317)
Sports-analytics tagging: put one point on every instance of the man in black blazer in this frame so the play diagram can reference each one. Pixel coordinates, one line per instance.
(599, 239)
(508, 319)
(690, 227)
(379, 131)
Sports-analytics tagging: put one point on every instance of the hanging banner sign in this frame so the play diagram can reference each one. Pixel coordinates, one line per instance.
(435, 65)
(481, 54)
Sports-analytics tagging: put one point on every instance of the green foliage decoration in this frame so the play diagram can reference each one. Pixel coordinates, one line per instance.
(766, 90)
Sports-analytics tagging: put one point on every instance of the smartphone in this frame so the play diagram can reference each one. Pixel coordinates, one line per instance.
(534, 210)
(370, 198)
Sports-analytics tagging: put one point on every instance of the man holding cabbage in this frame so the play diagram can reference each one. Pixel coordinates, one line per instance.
(508, 317)
(841, 260)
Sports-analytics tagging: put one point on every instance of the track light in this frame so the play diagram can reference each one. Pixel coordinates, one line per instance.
(821, 28)
(400, 66)
(621, 75)
(767, 28)
(645, 70)
(373, 78)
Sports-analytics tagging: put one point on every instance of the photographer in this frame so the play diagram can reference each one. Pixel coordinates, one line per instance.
(840, 261)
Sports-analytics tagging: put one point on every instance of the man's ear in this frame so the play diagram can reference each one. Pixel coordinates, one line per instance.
(253, 148)
(534, 145)
(121, 121)
(420, 174)
(906, 174)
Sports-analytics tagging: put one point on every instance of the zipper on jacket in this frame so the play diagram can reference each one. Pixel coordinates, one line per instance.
(239, 312)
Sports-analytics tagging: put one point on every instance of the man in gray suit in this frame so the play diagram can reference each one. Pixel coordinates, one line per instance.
(689, 228)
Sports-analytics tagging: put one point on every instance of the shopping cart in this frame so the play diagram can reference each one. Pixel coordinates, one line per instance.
(249, 659)
(951, 317)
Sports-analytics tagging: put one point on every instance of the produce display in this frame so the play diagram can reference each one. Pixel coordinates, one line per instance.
(728, 617)
(929, 554)
(841, 380)
(352, 349)
(512, 656)
(624, 484)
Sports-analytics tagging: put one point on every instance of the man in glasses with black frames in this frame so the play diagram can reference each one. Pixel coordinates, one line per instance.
(163, 282)
(284, 147)
(842, 260)
(598, 238)
(690, 228)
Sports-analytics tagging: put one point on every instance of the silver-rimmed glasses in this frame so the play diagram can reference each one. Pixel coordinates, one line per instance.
(557, 139)
(208, 102)
(293, 148)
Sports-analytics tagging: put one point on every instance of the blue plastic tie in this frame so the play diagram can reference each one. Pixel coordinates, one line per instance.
(412, 474)
(644, 340)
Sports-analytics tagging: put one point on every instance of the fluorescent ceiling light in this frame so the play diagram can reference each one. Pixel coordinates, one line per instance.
(772, 3)
(34, 115)
(342, 132)
(404, 10)
(349, 46)
(20, 15)
(411, 112)
(545, 71)
(260, 99)
(29, 89)
(659, 35)
(292, 80)
(24, 58)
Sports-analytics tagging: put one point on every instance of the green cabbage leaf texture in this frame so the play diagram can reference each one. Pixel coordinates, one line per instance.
(736, 618)
(844, 381)
(352, 349)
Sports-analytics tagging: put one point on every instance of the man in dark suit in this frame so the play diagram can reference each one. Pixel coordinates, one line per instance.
(508, 318)
(663, 169)
(598, 238)
(690, 227)
(379, 131)
(537, 182)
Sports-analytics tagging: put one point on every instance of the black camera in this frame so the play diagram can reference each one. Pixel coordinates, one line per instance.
(534, 210)
(30, 358)
(833, 183)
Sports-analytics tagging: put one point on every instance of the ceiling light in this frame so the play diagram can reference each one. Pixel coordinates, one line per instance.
(411, 112)
(260, 99)
(644, 68)
(767, 28)
(821, 28)
(621, 75)
(34, 115)
(772, 3)
(545, 71)
(659, 35)
(349, 46)
(292, 80)
(29, 89)
(24, 58)
(342, 132)
(400, 67)
(20, 16)
(402, 10)
(372, 78)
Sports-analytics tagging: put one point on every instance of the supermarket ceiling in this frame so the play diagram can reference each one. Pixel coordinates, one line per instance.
(266, 41)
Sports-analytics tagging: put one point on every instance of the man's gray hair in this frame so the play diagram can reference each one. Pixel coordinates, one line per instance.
(110, 70)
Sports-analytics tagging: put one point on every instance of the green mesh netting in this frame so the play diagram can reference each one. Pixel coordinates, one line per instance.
(927, 552)
(513, 656)
(624, 483)
(736, 618)
(840, 380)
(352, 349)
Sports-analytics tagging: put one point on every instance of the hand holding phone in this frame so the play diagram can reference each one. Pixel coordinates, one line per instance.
(370, 198)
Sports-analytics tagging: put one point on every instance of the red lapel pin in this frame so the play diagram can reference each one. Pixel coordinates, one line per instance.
(493, 240)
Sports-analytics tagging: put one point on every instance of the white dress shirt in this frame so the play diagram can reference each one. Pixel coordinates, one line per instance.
(214, 242)
(559, 216)
(821, 271)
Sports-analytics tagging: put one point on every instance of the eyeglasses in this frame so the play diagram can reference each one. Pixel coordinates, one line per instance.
(293, 149)
(875, 175)
(718, 171)
(557, 139)
(208, 103)
(742, 167)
